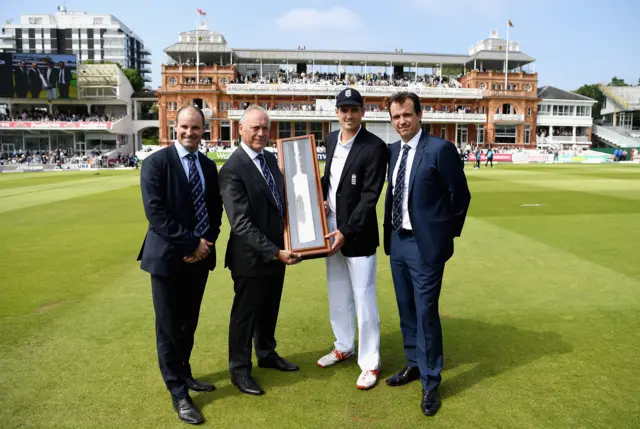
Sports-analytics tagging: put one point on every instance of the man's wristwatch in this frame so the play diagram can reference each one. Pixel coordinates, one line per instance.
(275, 257)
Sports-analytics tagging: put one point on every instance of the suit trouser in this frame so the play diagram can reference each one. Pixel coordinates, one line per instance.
(417, 288)
(254, 315)
(352, 293)
(176, 301)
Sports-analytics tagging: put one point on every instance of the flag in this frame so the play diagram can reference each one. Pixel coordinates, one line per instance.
(200, 11)
(510, 23)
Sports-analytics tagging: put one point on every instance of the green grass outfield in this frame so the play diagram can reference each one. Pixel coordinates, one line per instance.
(540, 308)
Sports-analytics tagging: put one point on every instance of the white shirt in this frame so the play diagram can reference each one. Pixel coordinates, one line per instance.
(413, 144)
(182, 153)
(337, 165)
(254, 157)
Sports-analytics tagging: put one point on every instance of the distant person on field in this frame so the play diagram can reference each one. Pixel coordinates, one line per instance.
(478, 155)
(489, 157)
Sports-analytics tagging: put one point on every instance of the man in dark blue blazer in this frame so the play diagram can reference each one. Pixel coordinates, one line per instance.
(425, 208)
(182, 202)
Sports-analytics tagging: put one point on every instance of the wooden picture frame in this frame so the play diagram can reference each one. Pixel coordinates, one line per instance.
(305, 220)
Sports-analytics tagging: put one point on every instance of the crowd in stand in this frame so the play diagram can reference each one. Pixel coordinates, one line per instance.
(302, 107)
(340, 79)
(59, 157)
(43, 116)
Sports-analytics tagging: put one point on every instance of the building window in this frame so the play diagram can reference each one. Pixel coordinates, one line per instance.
(97, 21)
(480, 138)
(223, 106)
(207, 131)
(544, 109)
(225, 131)
(507, 109)
(529, 111)
(35, 20)
(223, 81)
(583, 111)
(173, 81)
(527, 134)
(443, 131)
(284, 130)
(515, 87)
(300, 129)
(560, 110)
(316, 130)
(462, 134)
(506, 134)
(172, 130)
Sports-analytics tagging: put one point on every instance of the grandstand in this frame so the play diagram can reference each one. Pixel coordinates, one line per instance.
(97, 122)
(619, 125)
(466, 98)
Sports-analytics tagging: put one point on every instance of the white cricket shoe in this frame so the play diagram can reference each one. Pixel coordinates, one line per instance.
(368, 379)
(333, 358)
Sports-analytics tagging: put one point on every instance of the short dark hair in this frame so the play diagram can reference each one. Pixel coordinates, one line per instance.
(187, 107)
(401, 97)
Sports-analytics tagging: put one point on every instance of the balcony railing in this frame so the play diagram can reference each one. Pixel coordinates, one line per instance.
(317, 89)
(508, 117)
(435, 117)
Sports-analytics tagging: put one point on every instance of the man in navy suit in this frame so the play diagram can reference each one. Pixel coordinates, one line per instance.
(425, 208)
(182, 202)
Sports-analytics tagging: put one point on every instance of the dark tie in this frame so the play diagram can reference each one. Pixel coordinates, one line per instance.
(398, 190)
(197, 196)
(270, 182)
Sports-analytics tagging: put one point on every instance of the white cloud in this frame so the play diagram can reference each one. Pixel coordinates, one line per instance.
(335, 18)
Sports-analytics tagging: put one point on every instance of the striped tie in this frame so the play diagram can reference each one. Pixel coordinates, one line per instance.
(398, 190)
(197, 196)
(270, 182)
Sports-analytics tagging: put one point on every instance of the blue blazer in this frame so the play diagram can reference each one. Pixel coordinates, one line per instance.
(438, 198)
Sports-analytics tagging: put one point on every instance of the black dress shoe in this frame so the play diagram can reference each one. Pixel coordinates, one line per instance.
(247, 385)
(430, 402)
(187, 412)
(199, 386)
(279, 363)
(406, 375)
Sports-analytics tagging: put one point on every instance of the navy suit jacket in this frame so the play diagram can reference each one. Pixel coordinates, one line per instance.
(438, 198)
(166, 196)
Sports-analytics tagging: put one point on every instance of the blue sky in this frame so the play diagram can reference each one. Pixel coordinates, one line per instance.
(574, 42)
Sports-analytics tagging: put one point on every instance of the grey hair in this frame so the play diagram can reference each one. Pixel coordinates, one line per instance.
(251, 108)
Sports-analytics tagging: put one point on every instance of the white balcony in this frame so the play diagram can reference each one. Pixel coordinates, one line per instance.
(328, 115)
(332, 90)
(564, 121)
(503, 117)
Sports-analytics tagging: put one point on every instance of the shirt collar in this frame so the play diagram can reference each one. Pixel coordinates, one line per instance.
(252, 153)
(349, 142)
(413, 143)
(182, 152)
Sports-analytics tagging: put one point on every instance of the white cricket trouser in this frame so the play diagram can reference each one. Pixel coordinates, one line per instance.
(352, 292)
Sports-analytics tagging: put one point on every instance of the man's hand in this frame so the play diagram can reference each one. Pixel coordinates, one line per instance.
(326, 208)
(288, 257)
(338, 242)
(203, 250)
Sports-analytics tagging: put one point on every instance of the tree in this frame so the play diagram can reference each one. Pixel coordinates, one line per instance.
(617, 82)
(593, 91)
(134, 78)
